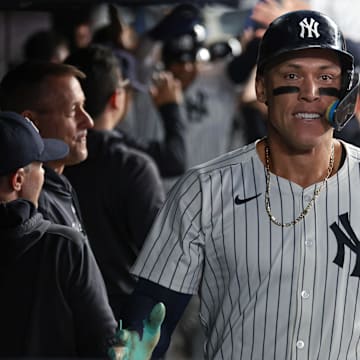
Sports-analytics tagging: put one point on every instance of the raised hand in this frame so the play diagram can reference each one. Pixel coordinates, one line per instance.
(131, 347)
(166, 89)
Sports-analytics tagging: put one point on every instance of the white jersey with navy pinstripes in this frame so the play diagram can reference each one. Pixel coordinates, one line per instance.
(267, 292)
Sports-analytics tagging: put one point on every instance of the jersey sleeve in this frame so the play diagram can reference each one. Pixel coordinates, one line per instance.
(173, 252)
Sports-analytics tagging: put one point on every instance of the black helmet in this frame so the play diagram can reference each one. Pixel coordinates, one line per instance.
(186, 47)
(299, 30)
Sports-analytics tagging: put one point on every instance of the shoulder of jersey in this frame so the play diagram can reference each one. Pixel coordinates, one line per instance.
(240, 155)
(352, 151)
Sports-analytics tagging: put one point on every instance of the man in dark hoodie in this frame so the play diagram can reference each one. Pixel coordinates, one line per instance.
(53, 300)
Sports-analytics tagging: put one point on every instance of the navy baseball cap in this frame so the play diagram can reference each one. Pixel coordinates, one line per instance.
(21, 144)
(184, 48)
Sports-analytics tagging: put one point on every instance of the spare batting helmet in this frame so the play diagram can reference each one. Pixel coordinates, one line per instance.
(299, 30)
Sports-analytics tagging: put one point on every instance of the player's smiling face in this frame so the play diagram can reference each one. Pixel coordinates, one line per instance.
(298, 92)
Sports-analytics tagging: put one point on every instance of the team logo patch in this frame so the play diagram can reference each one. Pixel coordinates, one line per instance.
(197, 107)
(309, 28)
(348, 239)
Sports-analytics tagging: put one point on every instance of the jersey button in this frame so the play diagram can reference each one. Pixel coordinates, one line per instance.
(305, 294)
(308, 243)
(300, 344)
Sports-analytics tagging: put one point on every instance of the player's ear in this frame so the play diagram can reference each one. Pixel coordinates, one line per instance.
(117, 99)
(17, 179)
(113, 99)
(260, 89)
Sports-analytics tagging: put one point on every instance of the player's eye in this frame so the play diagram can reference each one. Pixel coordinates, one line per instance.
(291, 76)
(326, 77)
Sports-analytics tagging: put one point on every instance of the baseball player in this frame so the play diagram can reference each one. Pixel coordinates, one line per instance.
(268, 235)
(210, 96)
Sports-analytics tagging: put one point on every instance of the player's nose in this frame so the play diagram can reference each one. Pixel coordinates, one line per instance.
(309, 89)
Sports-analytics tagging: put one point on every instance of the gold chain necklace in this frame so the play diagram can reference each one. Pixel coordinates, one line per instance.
(310, 203)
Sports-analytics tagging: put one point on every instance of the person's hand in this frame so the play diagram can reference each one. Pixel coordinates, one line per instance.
(246, 37)
(131, 347)
(264, 12)
(293, 5)
(166, 89)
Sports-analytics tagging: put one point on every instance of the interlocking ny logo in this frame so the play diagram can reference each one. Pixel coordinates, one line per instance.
(311, 28)
(196, 107)
(351, 241)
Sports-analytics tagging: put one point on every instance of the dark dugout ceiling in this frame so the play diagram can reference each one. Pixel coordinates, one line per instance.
(53, 5)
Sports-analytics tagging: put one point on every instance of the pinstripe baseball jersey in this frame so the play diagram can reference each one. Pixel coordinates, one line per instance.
(266, 292)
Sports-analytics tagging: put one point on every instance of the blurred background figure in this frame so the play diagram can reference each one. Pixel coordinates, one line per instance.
(164, 95)
(46, 45)
(77, 25)
(116, 33)
(214, 72)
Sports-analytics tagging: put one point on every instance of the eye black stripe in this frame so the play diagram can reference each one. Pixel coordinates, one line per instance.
(329, 92)
(294, 89)
(285, 90)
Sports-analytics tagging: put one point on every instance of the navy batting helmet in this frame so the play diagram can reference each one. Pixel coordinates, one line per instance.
(307, 29)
